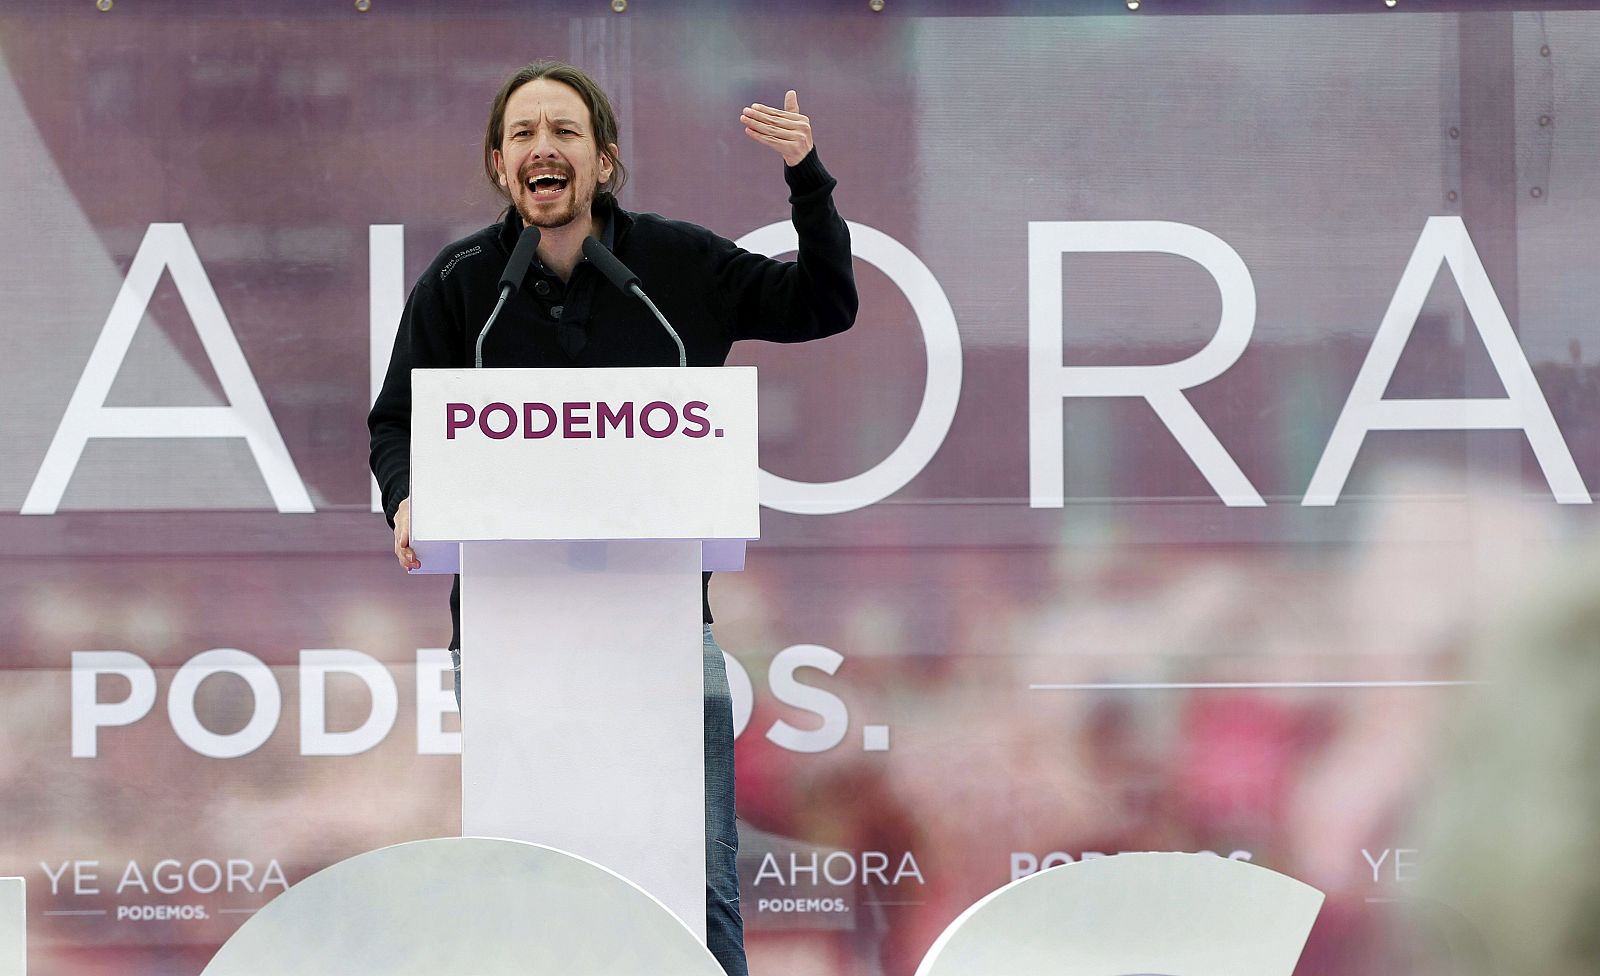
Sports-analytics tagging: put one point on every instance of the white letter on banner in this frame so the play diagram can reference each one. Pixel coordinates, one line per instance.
(1445, 240)
(90, 714)
(435, 700)
(825, 705)
(939, 397)
(386, 301)
(1161, 385)
(263, 717)
(315, 739)
(167, 246)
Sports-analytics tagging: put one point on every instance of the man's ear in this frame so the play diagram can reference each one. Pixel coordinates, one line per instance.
(499, 166)
(610, 154)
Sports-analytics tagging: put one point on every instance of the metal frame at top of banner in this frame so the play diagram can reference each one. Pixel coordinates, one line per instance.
(901, 8)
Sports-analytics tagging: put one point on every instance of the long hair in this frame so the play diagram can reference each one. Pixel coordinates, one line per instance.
(601, 116)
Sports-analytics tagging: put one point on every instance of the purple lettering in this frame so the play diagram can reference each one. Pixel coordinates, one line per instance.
(576, 415)
(657, 406)
(695, 423)
(493, 408)
(528, 410)
(457, 416)
(622, 417)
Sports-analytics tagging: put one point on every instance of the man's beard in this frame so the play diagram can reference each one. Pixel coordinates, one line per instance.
(574, 208)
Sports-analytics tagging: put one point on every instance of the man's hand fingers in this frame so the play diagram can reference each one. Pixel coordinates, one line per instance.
(785, 129)
(776, 131)
(779, 136)
(776, 125)
(772, 127)
(778, 144)
(774, 114)
(792, 150)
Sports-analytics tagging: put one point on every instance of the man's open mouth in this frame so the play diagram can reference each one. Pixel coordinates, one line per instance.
(546, 186)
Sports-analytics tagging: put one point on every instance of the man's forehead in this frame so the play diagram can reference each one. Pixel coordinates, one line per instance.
(546, 98)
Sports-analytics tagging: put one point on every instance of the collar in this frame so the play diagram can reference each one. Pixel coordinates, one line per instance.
(614, 223)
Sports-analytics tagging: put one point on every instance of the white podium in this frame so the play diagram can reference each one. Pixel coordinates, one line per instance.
(580, 507)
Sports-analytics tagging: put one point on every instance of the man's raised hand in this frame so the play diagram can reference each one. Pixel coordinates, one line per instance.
(785, 129)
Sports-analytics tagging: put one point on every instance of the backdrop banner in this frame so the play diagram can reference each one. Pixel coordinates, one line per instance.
(1220, 379)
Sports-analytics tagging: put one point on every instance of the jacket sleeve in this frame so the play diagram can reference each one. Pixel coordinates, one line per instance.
(793, 301)
(428, 336)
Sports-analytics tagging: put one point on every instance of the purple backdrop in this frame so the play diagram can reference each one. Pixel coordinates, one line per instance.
(1314, 148)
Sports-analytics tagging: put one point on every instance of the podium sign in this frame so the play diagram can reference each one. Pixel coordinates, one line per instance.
(575, 503)
(640, 453)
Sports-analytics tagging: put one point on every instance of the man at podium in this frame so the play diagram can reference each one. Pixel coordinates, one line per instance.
(550, 151)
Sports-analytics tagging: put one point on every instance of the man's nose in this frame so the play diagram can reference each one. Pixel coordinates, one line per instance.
(544, 143)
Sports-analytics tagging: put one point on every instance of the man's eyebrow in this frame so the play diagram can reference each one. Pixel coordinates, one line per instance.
(569, 123)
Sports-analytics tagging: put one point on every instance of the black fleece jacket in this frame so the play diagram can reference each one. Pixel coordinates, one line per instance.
(713, 293)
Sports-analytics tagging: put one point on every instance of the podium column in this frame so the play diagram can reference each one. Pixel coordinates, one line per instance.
(616, 774)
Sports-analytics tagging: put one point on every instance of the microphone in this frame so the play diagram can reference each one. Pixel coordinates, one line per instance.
(521, 258)
(628, 282)
(610, 265)
(510, 281)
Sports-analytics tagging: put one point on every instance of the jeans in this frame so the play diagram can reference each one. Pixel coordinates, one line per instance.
(724, 926)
